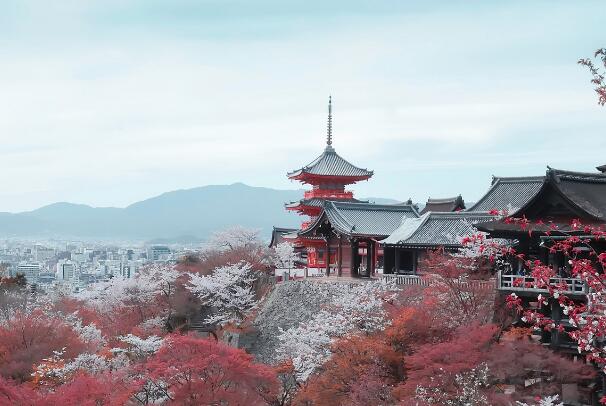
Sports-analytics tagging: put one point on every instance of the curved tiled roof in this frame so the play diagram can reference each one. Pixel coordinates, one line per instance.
(278, 233)
(509, 193)
(447, 204)
(436, 229)
(585, 190)
(364, 219)
(331, 164)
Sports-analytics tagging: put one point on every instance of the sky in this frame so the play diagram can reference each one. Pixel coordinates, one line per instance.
(107, 102)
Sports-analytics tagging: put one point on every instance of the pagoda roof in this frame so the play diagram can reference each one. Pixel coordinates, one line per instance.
(508, 193)
(330, 164)
(363, 219)
(435, 229)
(448, 204)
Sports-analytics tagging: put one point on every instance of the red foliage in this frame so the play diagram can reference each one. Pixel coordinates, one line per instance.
(435, 364)
(362, 371)
(203, 371)
(12, 394)
(415, 326)
(26, 339)
(85, 390)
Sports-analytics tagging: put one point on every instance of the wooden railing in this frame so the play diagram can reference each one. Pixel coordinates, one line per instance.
(519, 283)
(428, 280)
(405, 279)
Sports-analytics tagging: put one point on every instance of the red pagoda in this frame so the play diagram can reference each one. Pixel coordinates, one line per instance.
(328, 174)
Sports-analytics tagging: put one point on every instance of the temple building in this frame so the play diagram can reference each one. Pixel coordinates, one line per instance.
(345, 236)
(562, 197)
(340, 233)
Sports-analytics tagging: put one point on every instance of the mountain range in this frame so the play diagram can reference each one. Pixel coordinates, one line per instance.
(180, 215)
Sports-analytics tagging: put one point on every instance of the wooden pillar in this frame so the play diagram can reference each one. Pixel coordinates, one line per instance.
(373, 257)
(354, 258)
(368, 257)
(327, 256)
(415, 261)
(340, 256)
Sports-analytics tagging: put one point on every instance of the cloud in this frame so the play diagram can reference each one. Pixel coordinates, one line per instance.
(110, 102)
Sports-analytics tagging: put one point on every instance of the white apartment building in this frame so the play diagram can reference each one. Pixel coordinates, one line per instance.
(158, 253)
(66, 271)
(31, 271)
(42, 254)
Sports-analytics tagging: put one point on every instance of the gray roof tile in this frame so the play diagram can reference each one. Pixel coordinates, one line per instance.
(331, 164)
(509, 193)
(366, 219)
(436, 229)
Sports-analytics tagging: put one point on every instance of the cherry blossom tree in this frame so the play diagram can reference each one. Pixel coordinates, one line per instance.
(352, 309)
(285, 255)
(137, 347)
(234, 238)
(148, 296)
(545, 401)
(597, 69)
(576, 243)
(228, 291)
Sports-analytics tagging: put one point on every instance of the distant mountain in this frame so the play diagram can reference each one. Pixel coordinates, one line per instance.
(181, 215)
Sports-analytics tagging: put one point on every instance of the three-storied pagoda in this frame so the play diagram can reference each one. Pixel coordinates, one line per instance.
(328, 175)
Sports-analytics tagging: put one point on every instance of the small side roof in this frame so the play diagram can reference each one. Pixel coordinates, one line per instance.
(434, 230)
(508, 193)
(448, 204)
(278, 234)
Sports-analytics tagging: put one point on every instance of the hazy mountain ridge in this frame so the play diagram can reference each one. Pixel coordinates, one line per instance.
(194, 213)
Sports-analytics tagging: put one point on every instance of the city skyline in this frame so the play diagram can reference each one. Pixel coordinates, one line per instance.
(109, 103)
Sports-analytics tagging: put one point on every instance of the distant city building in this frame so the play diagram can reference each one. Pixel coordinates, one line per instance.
(158, 253)
(31, 271)
(66, 270)
(42, 254)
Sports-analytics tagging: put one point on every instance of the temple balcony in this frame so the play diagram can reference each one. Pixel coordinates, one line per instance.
(528, 285)
(328, 194)
(428, 280)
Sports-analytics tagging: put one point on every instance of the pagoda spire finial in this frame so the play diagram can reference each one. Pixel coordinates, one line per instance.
(329, 133)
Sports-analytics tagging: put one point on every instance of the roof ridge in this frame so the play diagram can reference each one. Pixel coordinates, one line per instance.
(591, 176)
(461, 213)
(497, 179)
(444, 199)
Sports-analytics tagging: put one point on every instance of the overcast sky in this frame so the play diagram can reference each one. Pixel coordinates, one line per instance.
(112, 101)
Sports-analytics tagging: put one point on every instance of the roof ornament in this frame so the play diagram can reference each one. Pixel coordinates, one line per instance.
(329, 132)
